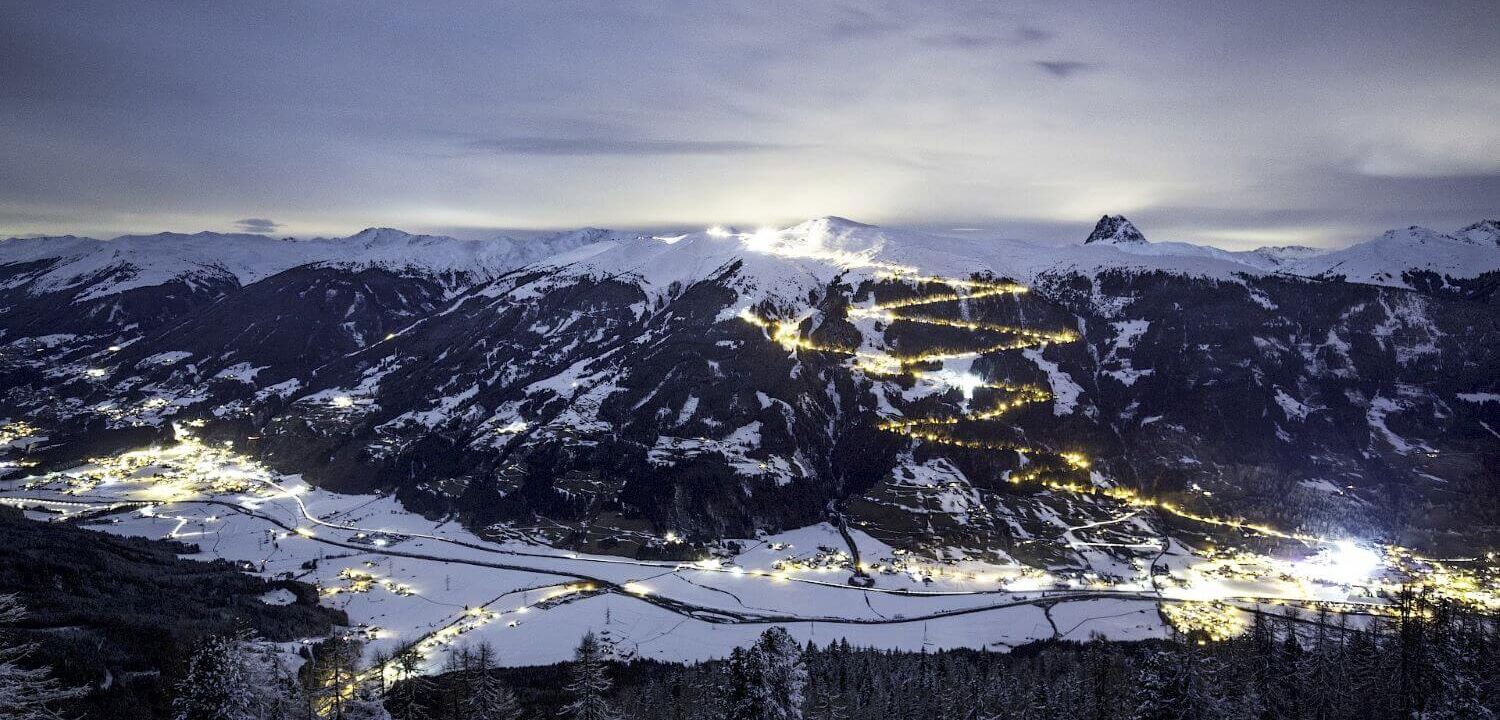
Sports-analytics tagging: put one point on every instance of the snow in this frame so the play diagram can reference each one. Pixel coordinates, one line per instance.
(1407, 328)
(1115, 619)
(1127, 332)
(689, 408)
(280, 596)
(404, 578)
(783, 264)
(1065, 391)
(787, 265)
(170, 357)
(429, 595)
(439, 413)
(1290, 406)
(1382, 260)
(135, 261)
(1115, 230)
(1375, 415)
(283, 389)
(1480, 397)
(241, 372)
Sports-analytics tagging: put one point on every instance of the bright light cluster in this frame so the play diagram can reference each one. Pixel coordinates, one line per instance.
(181, 471)
(18, 430)
(1213, 620)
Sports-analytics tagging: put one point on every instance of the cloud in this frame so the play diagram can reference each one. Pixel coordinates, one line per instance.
(1063, 68)
(650, 114)
(1032, 33)
(615, 146)
(257, 225)
(858, 24)
(963, 40)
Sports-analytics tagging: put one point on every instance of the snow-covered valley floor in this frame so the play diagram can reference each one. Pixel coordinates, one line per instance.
(404, 579)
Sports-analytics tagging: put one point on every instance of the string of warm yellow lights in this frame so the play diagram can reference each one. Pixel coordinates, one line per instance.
(930, 429)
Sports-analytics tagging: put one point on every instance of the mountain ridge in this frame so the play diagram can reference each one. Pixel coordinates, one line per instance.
(143, 260)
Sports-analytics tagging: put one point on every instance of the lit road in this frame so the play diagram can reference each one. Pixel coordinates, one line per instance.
(687, 609)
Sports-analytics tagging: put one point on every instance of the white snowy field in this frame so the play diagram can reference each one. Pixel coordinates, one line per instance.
(403, 579)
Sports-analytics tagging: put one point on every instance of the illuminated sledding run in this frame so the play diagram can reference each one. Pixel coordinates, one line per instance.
(941, 429)
(1440, 580)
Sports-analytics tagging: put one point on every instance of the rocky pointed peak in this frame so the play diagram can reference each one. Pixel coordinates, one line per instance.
(1115, 230)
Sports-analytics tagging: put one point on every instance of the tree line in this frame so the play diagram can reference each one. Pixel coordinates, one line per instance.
(1427, 661)
(1432, 661)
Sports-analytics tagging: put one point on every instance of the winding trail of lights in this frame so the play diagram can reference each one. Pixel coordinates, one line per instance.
(937, 429)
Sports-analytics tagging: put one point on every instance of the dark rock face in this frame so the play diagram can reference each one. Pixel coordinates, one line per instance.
(1115, 229)
(596, 411)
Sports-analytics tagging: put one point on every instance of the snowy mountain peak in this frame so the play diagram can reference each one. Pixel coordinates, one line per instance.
(826, 224)
(1386, 259)
(380, 234)
(834, 221)
(127, 262)
(1115, 230)
(1414, 235)
(1484, 232)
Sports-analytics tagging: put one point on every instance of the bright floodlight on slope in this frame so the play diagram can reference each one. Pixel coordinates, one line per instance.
(966, 382)
(1345, 563)
(764, 240)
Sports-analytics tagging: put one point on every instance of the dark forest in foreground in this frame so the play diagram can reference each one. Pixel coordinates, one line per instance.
(1433, 662)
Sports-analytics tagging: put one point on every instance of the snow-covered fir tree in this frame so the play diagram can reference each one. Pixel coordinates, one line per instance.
(25, 693)
(279, 691)
(769, 681)
(331, 678)
(1178, 686)
(217, 685)
(588, 683)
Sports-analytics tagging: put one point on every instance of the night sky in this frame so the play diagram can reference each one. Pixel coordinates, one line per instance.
(1269, 122)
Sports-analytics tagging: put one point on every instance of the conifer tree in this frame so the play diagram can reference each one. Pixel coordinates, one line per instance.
(1177, 686)
(487, 698)
(769, 679)
(331, 677)
(588, 684)
(216, 685)
(409, 696)
(25, 693)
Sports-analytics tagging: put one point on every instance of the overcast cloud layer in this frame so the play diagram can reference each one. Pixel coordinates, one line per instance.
(1313, 123)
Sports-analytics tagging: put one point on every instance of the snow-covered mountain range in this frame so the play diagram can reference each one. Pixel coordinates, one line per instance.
(722, 382)
(134, 261)
(106, 267)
